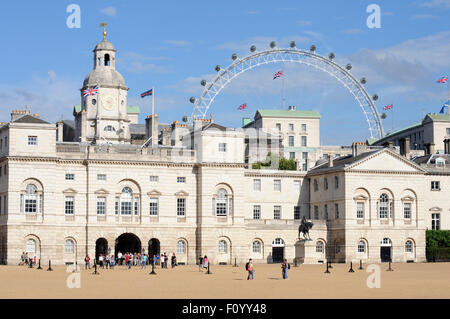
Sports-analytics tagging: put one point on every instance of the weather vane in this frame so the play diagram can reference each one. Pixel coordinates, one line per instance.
(103, 25)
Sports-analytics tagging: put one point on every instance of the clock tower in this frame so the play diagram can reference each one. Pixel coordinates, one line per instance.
(103, 117)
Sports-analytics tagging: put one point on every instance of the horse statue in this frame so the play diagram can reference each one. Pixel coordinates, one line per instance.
(304, 228)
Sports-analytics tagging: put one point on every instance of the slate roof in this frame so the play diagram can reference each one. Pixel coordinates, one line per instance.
(30, 119)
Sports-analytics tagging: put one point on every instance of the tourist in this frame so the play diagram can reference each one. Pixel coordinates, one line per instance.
(144, 261)
(22, 259)
(250, 269)
(284, 269)
(107, 261)
(166, 260)
(100, 260)
(26, 259)
(205, 262)
(87, 263)
(173, 261)
(200, 263)
(119, 258)
(112, 261)
(127, 260)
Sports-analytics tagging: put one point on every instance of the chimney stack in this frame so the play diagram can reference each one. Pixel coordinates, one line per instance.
(150, 130)
(447, 146)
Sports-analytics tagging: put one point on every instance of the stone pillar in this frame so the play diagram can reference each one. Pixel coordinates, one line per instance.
(60, 129)
(150, 130)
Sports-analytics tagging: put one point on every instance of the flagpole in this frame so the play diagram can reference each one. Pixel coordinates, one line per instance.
(153, 116)
(448, 96)
(284, 99)
(392, 110)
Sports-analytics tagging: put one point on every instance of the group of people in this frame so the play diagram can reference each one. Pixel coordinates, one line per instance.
(27, 260)
(285, 266)
(131, 259)
(203, 263)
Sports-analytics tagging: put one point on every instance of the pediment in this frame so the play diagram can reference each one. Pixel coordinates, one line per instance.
(408, 198)
(360, 197)
(101, 191)
(154, 193)
(69, 191)
(386, 160)
(181, 194)
(435, 209)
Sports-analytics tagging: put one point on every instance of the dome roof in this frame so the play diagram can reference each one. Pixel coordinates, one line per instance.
(105, 45)
(105, 76)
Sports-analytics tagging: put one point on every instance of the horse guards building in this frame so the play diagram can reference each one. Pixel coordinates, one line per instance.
(104, 183)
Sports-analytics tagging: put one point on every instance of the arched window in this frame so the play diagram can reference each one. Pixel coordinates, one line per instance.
(126, 201)
(31, 199)
(409, 246)
(221, 203)
(319, 246)
(70, 246)
(107, 60)
(181, 247)
(223, 249)
(256, 247)
(31, 247)
(384, 205)
(361, 247)
(386, 242)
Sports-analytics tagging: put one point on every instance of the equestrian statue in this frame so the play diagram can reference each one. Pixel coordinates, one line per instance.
(304, 228)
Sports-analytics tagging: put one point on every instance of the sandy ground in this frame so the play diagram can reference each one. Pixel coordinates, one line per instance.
(306, 281)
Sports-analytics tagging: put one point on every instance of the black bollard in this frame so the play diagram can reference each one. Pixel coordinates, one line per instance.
(331, 267)
(49, 265)
(153, 269)
(31, 263)
(360, 265)
(235, 264)
(295, 262)
(208, 272)
(327, 271)
(39, 268)
(95, 268)
(351, 267)
(390, 269)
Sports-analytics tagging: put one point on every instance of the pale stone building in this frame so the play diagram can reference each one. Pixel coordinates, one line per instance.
(96, 185)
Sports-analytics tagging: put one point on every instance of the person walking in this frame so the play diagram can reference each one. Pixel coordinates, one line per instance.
(108, 263)
(285, 266)
(173, 260)
(166, 260)
(112, 261)
(119, 258)
(87, 262)
(127, 260)
(205, 262)
(250, 269)
(144, 262)
(200, 263)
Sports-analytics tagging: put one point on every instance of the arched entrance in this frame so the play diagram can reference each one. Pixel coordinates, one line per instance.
(127, 243)
(101, 247)
(153, 247)
(278, 250)
(386, 250)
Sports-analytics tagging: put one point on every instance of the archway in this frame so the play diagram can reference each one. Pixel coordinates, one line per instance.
(154, 247)
(127, 243)
(101, 247)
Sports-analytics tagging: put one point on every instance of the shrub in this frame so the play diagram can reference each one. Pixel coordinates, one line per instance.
(438, 238)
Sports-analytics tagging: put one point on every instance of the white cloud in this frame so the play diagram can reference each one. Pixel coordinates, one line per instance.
(178, 42)
(109, 11)
(436, 3)
(424, 16)
(352, 31)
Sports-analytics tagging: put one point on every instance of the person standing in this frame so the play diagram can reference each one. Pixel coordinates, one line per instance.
(119, 258)
(200, 263)
(144, 261)
(284, 269)
(87, 262)
(107, 260)
(205, 262)
(166, 260)
(173, 260)
(250, 269)
(112, 261)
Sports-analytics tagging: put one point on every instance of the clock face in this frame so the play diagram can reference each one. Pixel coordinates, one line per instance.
(108, 102)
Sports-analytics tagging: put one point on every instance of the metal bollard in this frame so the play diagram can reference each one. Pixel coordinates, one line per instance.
(49, 265)
(208, 272)
(153, 269)
(95, 268)
(360, 265)
(31, 263)
(351, 267)
(39, 268)
(327, 271)
(330, 266)
(235, 264)
(390, 269)
(295, 262)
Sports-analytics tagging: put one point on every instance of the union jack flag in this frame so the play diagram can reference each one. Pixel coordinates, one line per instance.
(243, 106)
(387, 107)
(91, 91)
(278, 74)
(444, 79)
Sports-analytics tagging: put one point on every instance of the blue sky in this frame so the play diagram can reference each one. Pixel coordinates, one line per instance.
(172, 45)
